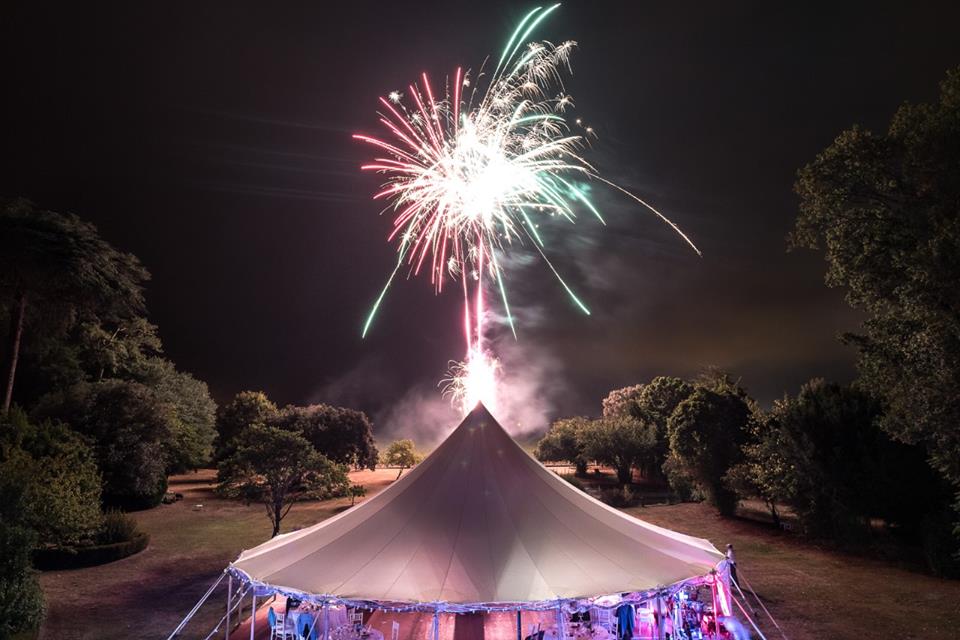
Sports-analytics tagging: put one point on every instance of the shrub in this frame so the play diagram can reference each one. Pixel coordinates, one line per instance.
(620, 497)
(574, 480)
(60, 478)
(79, 557)
(117, 527)
(939, 545)
(21, 601)
(129, 426)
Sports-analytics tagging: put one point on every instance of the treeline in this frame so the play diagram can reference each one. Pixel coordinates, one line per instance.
(821, 454)
(95, 417)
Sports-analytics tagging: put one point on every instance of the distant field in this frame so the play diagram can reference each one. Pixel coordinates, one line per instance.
(814, 593)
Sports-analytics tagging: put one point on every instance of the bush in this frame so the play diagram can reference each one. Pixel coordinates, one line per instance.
(60, 478)
(939, 545)
(21, 600)
(621, 497)
(79, 557)
(574, 480)
(117, 527)
(129, 426)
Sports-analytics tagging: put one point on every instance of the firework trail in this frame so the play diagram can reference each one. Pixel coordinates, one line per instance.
(470, 173)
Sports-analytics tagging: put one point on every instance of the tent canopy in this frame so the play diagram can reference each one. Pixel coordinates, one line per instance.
(478, 522)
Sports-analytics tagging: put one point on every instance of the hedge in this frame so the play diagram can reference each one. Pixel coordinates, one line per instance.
(78, 557)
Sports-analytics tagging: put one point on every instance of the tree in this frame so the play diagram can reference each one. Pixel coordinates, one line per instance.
(620, 441)
(706, 433)
(763, 472)
(247, 409)
(652, 402)
(823, 454)
(55, 266)
(122, 351)
(357, 491)
(21, 600)
(663, 395)
(401, 453)
(622, 401)
(62, 482)
(883, 207)
(564, 441)
(131, 430)
(190, 444)
(342, 435)
(278, 467)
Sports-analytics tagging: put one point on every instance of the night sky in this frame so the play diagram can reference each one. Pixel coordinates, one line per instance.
(213, 141)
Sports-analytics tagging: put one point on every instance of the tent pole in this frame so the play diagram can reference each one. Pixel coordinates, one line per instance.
(196, 607)
(656, 616)
(253, 614)
(436, 625)
(716, 614)
(519, 626)
(226, 635)
(560, 621)
(326, 620)
(665, 609)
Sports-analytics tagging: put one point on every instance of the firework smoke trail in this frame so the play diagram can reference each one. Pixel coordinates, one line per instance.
(469, 177)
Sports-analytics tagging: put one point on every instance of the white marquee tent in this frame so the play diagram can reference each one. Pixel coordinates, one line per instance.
(479, 523)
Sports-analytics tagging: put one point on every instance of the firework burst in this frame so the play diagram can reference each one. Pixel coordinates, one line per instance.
(469, 174)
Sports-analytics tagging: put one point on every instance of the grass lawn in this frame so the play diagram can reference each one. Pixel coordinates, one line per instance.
(814, 593)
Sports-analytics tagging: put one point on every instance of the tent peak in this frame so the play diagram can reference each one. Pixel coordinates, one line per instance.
(479, 413)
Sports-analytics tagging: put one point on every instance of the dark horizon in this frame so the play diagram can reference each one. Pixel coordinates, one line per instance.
(213, 142)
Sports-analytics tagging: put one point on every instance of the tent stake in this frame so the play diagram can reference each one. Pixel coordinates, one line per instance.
(226, 634)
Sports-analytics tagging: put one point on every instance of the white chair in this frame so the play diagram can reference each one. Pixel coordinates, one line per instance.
(356, 616)
(607, 620)
(278, 630)
(395, 631)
